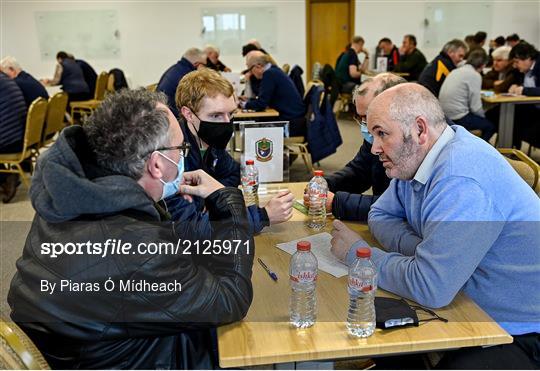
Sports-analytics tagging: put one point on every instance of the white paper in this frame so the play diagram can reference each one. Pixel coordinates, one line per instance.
(270, 162)
(320, 247)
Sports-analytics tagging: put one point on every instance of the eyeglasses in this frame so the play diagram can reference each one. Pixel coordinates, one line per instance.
(184, 149)
(360, 120)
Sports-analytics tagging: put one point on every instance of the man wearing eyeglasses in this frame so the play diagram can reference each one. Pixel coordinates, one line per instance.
(345, 199)
(104, 281)
(207, 104)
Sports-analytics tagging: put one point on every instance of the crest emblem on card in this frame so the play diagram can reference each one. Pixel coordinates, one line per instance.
(264, 149)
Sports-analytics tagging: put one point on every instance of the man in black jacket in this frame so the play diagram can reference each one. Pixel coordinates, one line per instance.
(364, 171)
(104, 280)
(432, 77)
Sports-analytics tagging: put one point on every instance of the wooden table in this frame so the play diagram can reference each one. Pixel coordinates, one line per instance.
(240, 115)
(265, 337)
(506, 115)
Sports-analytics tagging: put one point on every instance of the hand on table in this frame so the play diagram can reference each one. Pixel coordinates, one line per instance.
(329, 200)
(516, 89)
(279, 208)
(342, 239)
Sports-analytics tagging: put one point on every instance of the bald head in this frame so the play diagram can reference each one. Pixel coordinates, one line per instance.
(364, 94)
(405, 102)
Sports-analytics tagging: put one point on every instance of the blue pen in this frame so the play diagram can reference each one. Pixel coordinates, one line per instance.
(270, 273)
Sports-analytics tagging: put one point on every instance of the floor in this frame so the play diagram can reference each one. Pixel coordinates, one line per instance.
(16, 217)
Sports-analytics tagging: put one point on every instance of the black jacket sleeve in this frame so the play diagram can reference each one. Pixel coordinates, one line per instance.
(350, 206)
(356, 176)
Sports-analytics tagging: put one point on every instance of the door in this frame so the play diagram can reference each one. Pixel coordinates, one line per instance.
(330, 27)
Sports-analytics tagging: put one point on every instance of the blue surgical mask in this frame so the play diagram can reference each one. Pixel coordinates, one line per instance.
(366, 134)
(172, 187)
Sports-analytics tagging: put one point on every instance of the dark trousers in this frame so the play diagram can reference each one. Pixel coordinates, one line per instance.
(527, 125)
(523, 353)
(473, 122)
(348, 87)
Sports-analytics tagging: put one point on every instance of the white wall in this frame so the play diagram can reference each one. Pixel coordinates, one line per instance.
(153, 35)
(393, 18)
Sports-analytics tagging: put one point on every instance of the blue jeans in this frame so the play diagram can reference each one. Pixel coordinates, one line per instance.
(474, 122)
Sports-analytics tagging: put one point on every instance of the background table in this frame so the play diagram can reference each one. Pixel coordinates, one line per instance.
(506, 115)
(265, 336)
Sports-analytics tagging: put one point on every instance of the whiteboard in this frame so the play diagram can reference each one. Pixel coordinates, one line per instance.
(86, 34)
(231, 28)
(446, 21)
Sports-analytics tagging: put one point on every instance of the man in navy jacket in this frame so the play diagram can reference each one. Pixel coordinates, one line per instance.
(191, 60)
(276, 91)
(206, 102)
(30, 87)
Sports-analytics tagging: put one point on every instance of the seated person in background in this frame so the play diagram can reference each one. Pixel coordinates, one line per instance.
(276, 91)
(503, 74)
(460, 95)
(494, 44)
(512, 40)
(365, 171)
(128, 156)
(12, 126)
(90, 75)
(206, 102)
(527, 117)
(479, 39)
(391, 52)
(212, 59)
(348, 70)
(192, 59)
(447, 224)
(30, 87)
(412, 60)
(70, 75)
(252, 45)
(469, 40)
(450, 57)
(344, 52)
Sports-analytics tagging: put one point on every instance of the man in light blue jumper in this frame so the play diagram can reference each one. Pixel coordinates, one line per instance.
(456, 216)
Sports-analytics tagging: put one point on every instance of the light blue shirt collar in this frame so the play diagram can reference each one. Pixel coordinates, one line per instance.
(426, 167)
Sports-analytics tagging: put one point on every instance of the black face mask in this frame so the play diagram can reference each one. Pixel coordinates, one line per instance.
(392, 313)
(216, 134)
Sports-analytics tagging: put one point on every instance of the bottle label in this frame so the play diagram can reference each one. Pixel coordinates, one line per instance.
(360, 285)
(304, 277)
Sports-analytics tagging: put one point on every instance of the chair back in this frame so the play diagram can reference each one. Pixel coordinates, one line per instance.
(110, 84)
(286, 68)
(101, 86)
(526, 167)
(17, 352)
(151, 87)
(56, 110)
(34, 124)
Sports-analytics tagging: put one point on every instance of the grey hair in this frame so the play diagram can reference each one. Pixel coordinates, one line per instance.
(257, 58)
(10, 62)
(408, 104)
(211, 48)
(195, 55)
(502, 52)
(126, 128)
(454, 45)
(477, 58)
(383, 81)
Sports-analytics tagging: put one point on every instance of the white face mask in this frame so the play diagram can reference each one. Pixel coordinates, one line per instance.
(172, 187)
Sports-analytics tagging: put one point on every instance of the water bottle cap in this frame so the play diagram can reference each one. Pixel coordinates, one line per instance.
(303, 246)
(363, 252)
(318, 173)
(250, 162)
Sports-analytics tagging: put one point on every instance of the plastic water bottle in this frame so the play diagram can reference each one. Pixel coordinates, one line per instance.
(250, 183)
(362, 287)
(317, 192)
(303, 276)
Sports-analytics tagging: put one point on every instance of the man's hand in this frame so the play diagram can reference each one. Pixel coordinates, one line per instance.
(279, 208)
(329, 200)
(516, 89)
(198, 183)
(342, 240)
